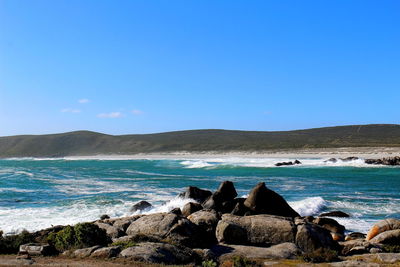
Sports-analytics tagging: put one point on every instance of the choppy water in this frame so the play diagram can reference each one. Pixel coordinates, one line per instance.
(35, 194)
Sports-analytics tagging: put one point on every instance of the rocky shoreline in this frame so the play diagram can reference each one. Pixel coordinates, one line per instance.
(215, 229)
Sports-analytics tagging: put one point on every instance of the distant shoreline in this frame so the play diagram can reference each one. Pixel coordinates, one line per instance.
(362, 152)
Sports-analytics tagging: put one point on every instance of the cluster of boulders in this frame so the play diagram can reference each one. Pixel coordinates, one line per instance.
(218, 225)
(391, 161)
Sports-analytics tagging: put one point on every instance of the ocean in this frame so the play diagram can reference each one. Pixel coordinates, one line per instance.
(39, 193)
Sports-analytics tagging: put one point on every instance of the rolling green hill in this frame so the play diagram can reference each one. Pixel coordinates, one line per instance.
(91, 143)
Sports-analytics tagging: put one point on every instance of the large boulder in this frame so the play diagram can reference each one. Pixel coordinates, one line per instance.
(310, 237)
(207, 221)
(391, 237)
(262, 200)
(169, 226)
(259, 230)
(85, 252)
(159, 253)
(280, 251)
(190, 208)
(196, 193)
(140, 206)
(382, 226)
(222, 199)
(36, 249)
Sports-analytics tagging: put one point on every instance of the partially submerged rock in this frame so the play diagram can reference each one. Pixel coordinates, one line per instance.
(221, 199)
(140, 206)
(196, 193)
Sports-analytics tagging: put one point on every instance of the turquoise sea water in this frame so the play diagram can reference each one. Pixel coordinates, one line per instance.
(35, 194)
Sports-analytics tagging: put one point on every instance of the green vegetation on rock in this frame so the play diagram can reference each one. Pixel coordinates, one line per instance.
(321, 255)
(124, 244)
(10, 244)
(80, 236)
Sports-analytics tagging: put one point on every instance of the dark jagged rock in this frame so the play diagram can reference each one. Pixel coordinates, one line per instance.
(226, 193)
(141, 205)
(392, 161)
(262, 200)
(240, 209)
(196, 193)
(336, 213)
(288, 163)
(333, 160)
(190, 208)
(349, 159)
(104, 217)
(176, 211)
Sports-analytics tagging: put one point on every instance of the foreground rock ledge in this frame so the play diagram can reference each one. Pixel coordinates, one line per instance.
(218, 227)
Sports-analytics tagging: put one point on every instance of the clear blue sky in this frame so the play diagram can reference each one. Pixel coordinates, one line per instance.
(152, 66)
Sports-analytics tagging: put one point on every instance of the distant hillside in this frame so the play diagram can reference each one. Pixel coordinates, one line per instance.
(90, 143)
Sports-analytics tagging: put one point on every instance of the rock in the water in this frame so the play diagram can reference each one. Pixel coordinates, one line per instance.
(336, 213)
(141, 205)
(259, 230)
(288, 163)
(105, 253)
(391, 237)
(196, 193)
(393, 161)
(168, 226)
(159, 253)
(84, 252)
(349, 159)
(310, 237)
(382, 226)
(262, 200)
(190, 208)
(280, 251)
(226, 193)
(36, 249)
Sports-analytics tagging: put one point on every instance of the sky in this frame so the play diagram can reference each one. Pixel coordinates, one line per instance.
(121, 67)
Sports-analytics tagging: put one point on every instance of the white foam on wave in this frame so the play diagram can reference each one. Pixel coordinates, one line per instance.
(270, 162)
(176, 202)
(16, 190)
(308, 206)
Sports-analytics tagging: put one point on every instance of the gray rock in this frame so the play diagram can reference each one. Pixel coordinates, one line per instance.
(222, 198)
(207, 221)
(375, 250)
(310, 237)
(84, 252)
(167, 226)
(262, 230)
(336, 213)
(159, 253)
(391, 237)
(354, 263)
(280, 251)
(105, 253)
(123, 223)
(355, 235)
(36, 249)
(347, 246)
(358, 250)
